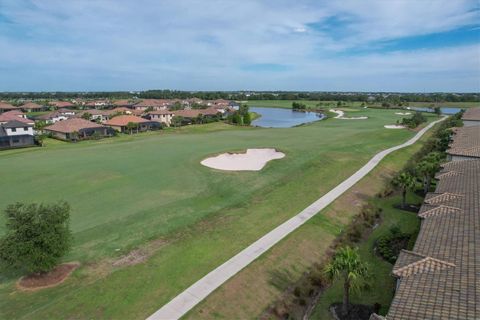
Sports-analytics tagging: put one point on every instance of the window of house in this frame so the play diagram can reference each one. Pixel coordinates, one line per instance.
(14, 129)
(25, 128)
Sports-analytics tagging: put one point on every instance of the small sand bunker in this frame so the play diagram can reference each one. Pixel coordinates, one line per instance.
(252, 160)
(394, 126)
(341, 115)
(403, 113)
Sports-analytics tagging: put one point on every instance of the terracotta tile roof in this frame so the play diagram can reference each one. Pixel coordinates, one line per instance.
(411, 263)
(160, 112)
(193, 113)
(6, 106)
(14, 115)
(122, 103)
(93, 112)
(72, 125)
(471, 114)
(440, 277)
(124, 120)
(31, 105)
(62, 104)
(466, 142)
(152, 103)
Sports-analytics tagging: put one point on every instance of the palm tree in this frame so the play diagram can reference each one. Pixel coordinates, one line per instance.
(405, 182)
(346, 264)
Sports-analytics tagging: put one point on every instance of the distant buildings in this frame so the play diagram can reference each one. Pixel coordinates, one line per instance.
(15, 134)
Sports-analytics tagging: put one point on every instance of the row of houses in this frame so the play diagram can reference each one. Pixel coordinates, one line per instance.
(73, 124)
(440, 277)
(135, 104)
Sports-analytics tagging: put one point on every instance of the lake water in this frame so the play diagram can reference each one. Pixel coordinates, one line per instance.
(283, 118)
(445, 110)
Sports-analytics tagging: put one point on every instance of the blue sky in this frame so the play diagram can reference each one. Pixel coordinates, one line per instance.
(348, 45)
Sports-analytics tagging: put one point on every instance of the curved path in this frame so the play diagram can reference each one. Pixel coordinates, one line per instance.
(186, 300)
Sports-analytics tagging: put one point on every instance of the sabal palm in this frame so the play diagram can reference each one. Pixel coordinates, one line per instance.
(347, 264)
(404, 181)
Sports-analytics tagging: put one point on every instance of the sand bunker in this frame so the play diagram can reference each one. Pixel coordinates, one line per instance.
(403, 113)
(341, 115)
(394, 126)
(252, 160)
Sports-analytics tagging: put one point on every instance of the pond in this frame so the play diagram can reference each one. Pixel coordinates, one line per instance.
(283, 118)
(445, 110)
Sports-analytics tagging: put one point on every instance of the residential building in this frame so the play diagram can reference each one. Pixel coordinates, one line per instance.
(76, 129)
(465, 144)
(162, 116)
(4, 107)
(471, 117)
(152, 104)
(62, 104)
(16, 134)
(52, 117)
(121, 123)
(95, 114)
(15, 115)
(33, 107)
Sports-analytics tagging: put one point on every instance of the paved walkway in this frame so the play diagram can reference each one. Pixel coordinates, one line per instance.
(186, 300)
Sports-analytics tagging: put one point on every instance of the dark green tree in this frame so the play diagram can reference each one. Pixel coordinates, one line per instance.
(37, 236)
(404, 181)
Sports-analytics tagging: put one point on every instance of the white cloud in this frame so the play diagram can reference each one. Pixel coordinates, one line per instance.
(203, 44)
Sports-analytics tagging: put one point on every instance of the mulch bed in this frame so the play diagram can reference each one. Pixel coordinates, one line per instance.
(49, 279)
(408, 207)
(355, 312)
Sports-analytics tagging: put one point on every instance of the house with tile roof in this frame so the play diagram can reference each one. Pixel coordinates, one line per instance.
(465, 144)
(162, 116)
(122, 124)
(16, 134)
(4, 107)
(471, 117)
(76, 129)
(16, 115)
(440, 277)
(33, 107)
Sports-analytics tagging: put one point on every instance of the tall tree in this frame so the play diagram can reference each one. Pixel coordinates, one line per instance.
(427, 168)
(404, 181)
(347, 265)
(37, 236)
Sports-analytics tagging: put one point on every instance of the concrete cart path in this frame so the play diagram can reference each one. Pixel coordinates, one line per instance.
(186, 300)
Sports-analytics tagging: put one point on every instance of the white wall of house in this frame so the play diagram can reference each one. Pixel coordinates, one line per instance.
(471, 123)
(163, 118)
(19, 131)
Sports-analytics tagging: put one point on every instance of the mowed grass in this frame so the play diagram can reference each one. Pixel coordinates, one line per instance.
(249, 293)
(129, 190)
(333, 104)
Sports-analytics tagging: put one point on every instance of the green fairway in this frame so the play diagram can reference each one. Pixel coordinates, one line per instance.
(333, 104)
(128, 190)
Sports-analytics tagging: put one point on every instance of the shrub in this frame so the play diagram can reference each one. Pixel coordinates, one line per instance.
(37, 236)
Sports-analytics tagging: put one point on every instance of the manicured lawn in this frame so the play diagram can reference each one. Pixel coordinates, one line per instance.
(333, 104)
(129, 190)
(259, 285)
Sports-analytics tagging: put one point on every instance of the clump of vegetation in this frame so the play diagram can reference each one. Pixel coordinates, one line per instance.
(405, 182)
(390, 245)
(298, 106)
(37, 236)
(413, 122)
(241, 117)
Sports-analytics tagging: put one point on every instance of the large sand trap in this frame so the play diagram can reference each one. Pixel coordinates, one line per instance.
(252, 160)
(341, 115)
(403, 113)
(394, 126)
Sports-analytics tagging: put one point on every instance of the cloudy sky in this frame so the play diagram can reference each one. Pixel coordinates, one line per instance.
(357, 45)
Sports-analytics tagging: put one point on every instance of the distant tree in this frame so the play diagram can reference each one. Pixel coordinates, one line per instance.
(86, 116)
(37, 236)
(247, 119)
(39, 125)
(437, 111)
(404, 181)
(427, 168)
(298, 106)
(176, 106)
(348, 266)
(132, 126)
(177, 121)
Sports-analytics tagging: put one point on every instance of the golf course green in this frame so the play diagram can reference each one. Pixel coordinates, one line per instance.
(149, 192)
